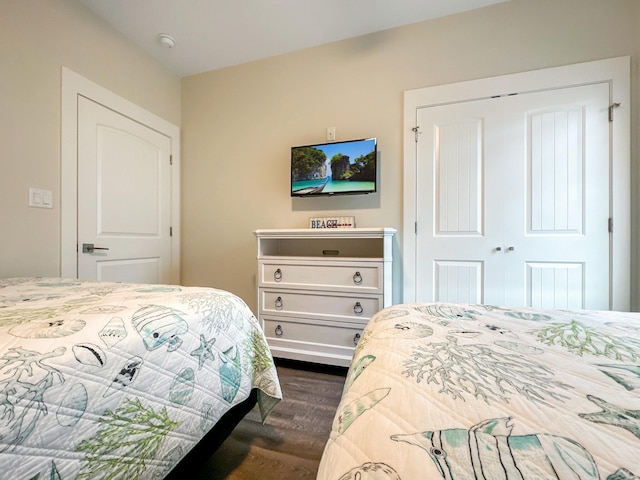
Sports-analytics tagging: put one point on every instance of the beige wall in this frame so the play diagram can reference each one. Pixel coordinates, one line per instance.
(635, 163)
(37, 38)
(239, 123)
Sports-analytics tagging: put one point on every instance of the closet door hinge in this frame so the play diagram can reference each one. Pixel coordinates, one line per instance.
(415, 228)
(611, 107)
(416, 131)
(171, 231)
(610, 225)
(170, 159)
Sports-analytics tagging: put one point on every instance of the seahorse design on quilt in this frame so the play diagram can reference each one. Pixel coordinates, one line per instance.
(488, 450)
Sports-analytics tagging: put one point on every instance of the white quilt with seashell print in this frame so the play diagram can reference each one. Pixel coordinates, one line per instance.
(114, 380)
(448, 391)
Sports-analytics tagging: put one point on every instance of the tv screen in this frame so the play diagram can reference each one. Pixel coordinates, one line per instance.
(338, 168)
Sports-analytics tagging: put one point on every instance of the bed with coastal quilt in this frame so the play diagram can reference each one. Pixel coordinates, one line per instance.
(114, 380)
(447, 391)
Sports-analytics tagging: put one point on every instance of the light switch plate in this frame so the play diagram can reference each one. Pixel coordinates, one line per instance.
(40, 198)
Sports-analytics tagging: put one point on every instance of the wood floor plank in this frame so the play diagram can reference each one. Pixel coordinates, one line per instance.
(290, 443)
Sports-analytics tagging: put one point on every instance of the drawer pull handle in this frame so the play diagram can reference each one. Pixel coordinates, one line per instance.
(357, 309)
(356, 338)
(279, 331)
(277, 275)
(357, 278)
(278, 303)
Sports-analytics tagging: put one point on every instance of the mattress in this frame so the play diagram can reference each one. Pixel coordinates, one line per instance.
(113, 380)
(447, 391)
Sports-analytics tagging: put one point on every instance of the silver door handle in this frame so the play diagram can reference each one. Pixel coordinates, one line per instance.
(498, 249)
(89, 248)
(511, 249)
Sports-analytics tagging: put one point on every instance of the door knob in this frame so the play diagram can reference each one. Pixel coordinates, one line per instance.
(498, 249)
(511, 249)
(89, 248)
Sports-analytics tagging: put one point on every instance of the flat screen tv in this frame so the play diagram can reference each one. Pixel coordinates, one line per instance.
(337, 168)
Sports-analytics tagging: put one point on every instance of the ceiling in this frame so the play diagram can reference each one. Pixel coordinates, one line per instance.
(213, 34)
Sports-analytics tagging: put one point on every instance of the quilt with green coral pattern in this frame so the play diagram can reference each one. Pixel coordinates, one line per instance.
(113, 380)
(458, 392)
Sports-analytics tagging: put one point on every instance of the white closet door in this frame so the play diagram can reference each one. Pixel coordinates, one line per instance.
(513, 200)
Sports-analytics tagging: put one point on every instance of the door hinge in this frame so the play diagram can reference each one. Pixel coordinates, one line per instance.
(170, 159)
(171, 231)
(416, 131)
(415, 228)
(610, 226)
(611, 107)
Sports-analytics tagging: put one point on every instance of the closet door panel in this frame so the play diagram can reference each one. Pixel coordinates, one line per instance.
(556, 157)
(458, 195)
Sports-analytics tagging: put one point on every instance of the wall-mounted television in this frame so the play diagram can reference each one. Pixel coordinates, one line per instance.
(337, 168)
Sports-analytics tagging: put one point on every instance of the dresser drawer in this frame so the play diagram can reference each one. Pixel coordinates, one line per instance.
(282, 332)
(338, 276)
(328, 305)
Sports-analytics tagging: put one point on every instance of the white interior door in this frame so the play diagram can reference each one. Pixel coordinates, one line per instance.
(124, 198)
(513, 200)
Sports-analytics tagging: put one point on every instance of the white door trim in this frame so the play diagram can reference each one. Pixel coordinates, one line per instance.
(615, 71)
(73, 86)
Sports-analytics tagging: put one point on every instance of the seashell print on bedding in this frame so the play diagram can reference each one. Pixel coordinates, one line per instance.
(54, 328)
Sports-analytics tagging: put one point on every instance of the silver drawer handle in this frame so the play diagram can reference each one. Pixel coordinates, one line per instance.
(278, 303)
(356, 338)
(357, 278)
(279, 331)
(277, 275)
(357, 309)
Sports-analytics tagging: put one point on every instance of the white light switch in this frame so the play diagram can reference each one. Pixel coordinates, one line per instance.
(39, 198)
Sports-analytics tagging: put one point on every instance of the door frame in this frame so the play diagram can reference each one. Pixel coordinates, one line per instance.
(616, 72)
(74, 86)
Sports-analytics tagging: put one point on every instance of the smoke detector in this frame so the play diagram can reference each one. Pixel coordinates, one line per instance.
(166, 40)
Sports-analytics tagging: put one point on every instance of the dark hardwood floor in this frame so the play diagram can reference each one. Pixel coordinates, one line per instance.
(289, 445)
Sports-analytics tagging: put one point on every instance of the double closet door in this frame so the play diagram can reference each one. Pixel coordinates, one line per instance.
(512, 202)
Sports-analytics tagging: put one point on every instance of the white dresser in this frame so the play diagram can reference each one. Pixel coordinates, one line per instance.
(317, 289)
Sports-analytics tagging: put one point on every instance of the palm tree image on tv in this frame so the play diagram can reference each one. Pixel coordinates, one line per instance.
(345, 167)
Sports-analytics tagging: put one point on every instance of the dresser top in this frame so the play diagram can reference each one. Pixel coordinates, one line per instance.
(358, 232)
